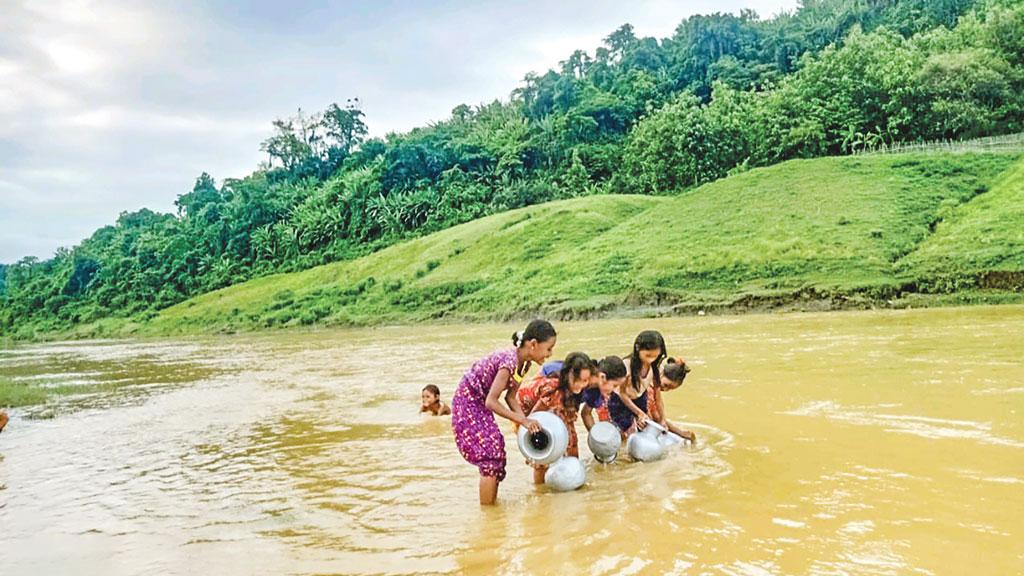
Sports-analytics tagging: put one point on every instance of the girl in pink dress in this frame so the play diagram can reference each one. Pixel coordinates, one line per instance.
(478, 399)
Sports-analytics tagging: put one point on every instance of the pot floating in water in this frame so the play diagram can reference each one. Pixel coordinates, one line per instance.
(565, 475)
(604, 441)
(548, 445)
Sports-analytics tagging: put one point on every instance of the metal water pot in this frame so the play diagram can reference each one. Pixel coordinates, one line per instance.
(548, 445)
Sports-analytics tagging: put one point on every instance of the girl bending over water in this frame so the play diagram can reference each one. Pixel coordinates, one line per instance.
(671, 379)
(559, 394)
(610, 376)
(639, 398)
(628, 408)
(478, 399)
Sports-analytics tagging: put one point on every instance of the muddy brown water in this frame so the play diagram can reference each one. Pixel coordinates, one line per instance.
(842, 443)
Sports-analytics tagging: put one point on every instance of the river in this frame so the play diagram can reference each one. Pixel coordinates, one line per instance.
(838, 443)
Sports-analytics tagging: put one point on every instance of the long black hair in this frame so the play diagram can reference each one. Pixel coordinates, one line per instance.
(539, 330)
(574, 363)
(646, 340)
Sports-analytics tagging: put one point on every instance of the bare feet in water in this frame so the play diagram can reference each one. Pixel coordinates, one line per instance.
(3, 420)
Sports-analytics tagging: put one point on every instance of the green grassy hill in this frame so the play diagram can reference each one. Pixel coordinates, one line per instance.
(838, 232)
(977, 244)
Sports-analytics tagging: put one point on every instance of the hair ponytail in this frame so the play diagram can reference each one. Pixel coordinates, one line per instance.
(676, 370)
(539, 330)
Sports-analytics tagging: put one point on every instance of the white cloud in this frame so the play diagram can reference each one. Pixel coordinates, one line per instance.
(126, 119)
(71, 58)
(114, 105)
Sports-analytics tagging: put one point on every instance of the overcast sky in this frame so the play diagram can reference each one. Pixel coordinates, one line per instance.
(112, 106)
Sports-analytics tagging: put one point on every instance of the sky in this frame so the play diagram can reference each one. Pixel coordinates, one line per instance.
(113, 106)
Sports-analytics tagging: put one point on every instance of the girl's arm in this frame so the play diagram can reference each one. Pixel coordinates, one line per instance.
(661, 407)
(641, 416)
(445, 410)
(513, 412)
(689, 435)
(588, 417)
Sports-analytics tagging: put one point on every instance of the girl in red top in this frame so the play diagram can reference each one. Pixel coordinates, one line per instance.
(560, 395)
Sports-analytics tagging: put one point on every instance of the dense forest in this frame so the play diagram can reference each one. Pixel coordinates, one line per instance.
(724, 94)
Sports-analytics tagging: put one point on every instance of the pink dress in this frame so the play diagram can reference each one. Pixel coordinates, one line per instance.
(477, 435)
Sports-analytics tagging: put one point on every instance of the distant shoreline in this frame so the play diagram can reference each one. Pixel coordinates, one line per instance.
(798, 303)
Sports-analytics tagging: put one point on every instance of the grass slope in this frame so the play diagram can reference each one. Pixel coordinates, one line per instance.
(979, 244)
(853, 230)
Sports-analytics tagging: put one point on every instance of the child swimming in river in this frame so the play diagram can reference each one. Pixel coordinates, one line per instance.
(478, 398)
(431, 402)
(559, 393)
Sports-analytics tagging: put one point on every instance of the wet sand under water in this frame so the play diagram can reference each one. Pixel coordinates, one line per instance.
(843, 443)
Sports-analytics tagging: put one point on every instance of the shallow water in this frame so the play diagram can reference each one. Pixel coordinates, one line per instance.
(843, 443)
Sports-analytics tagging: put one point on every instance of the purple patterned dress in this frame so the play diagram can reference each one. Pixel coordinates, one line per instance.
(476, 433)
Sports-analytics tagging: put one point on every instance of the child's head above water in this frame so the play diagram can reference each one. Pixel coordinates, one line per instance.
(431, 395)
(674, 374)
(536, 341)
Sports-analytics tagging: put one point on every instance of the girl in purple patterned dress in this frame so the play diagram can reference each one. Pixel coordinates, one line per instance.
(478, 399)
